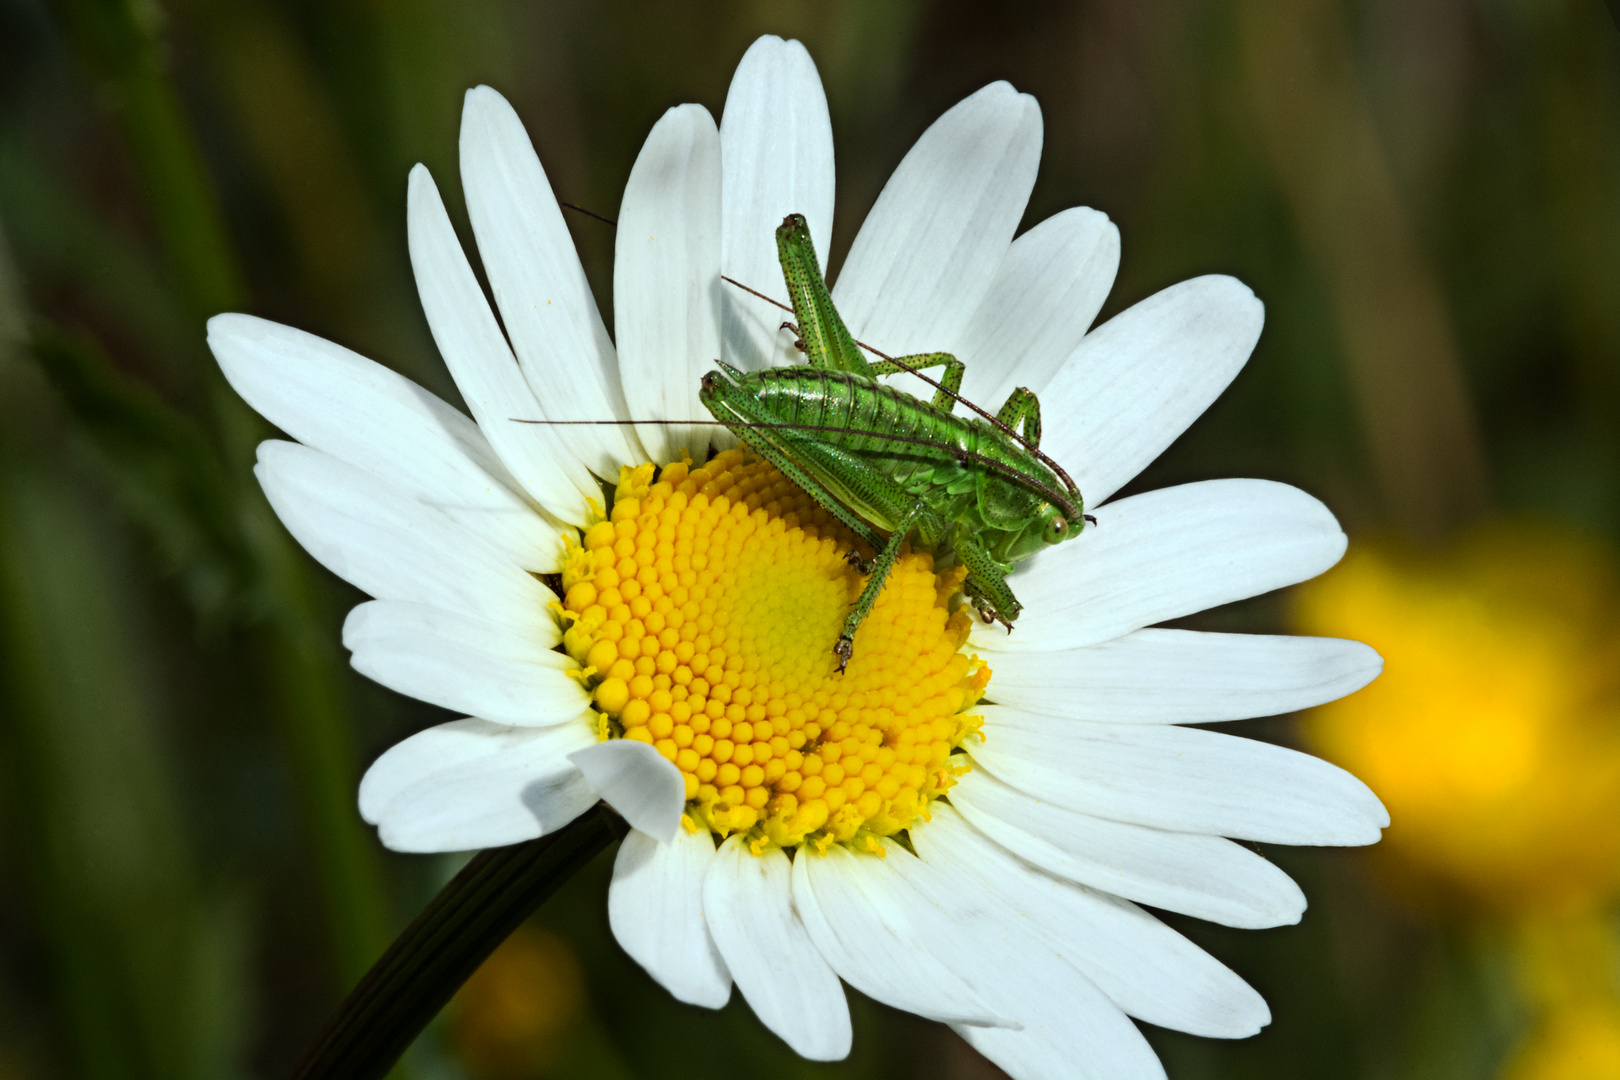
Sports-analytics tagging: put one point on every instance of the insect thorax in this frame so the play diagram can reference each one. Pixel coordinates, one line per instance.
(950, 460)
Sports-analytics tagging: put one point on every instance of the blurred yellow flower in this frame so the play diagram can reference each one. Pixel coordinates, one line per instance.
(1494, 735)
(511, 1016)
(1568, 971)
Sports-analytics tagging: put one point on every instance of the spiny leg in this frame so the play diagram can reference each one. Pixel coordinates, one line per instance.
(874, 585)
(827, 341)
(987, 579)
(745, 420)
(1022, 404)
(949, 383)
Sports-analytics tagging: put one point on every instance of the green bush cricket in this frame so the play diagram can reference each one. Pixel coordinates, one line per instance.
(971, 490)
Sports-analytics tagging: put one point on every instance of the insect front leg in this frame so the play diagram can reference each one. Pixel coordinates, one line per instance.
(987, 584)
(949, 382)
(1022, 404)
(915, 515)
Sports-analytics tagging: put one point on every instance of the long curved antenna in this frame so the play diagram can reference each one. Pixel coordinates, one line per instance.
(1032, 484)
(1040, 454)
(953, 395)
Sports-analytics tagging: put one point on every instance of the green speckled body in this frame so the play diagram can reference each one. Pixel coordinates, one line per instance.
(971, 491)
(845, 409)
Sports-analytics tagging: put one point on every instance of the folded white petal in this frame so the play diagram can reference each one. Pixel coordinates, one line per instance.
(1050, 285)
(380, 422)
(1146, 968)
(748, 902)
(383, 542)
(1195, 874)
(1063, 1025)
(879, 933)
(1071, 1029)
(926, 254)
(1137, 381)
(776, 155)
(1183, 677)
(539, 284)
(666, 279)
(1165, 554)
(646, 789)
(465, 665)
(1186, 780)
(655, 906)
(472, 784)
(486, 372)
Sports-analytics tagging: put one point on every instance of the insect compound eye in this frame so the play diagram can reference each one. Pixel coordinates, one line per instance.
(1056, 529)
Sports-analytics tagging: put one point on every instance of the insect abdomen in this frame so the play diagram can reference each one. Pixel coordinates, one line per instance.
(865, 417)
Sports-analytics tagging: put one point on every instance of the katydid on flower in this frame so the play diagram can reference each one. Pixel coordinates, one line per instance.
(975, 491)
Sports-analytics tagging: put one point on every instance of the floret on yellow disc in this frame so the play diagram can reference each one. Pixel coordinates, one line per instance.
(705, 612)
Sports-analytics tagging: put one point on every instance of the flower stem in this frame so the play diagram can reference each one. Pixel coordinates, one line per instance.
(446, 943)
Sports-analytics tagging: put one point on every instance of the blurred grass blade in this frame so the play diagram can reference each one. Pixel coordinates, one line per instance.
(119, 42)
(1416, 415)
(166, 473)
(146, 968)
(441, 949)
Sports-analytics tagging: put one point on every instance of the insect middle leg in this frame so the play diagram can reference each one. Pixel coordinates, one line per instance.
(1023, 405)
(950, 381)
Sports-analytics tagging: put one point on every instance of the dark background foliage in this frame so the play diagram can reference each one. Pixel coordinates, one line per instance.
(1425, 193)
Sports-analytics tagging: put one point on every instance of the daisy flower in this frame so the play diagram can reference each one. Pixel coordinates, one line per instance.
(963, 823)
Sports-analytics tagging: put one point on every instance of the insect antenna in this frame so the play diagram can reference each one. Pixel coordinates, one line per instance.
(587, 213)
(953, 395)
(1005, 429)
(1024, 480)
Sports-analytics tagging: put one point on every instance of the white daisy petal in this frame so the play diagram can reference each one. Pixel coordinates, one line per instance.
(878, 932)
(486, 372)
(646, 789)
(776, 155)
(1165, 554)
(472, 784)
(465, 665)
(371, 535)
(1137, 381)
(1185, 779)
(361, 413)
(1204, 876)
(539, 284)
(748, 902)
(1146, 968)
(1050, 285)
(1183, 677)
(655, 906)
(1070, 1028)
(928, 251)
(1066, 1025)
(666, 279)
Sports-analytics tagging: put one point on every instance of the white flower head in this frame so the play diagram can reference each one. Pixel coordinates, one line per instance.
(961, 824)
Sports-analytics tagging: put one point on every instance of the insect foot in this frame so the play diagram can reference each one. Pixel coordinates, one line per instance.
(853, 557)
(798, 339)
(844, 650)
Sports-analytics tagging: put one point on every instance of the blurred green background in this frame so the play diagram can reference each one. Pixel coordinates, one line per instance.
(1425, 193)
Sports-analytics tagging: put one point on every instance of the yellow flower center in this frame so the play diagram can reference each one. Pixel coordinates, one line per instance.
(705, 611)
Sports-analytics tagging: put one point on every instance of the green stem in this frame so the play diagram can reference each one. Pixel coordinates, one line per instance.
(440, 950)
